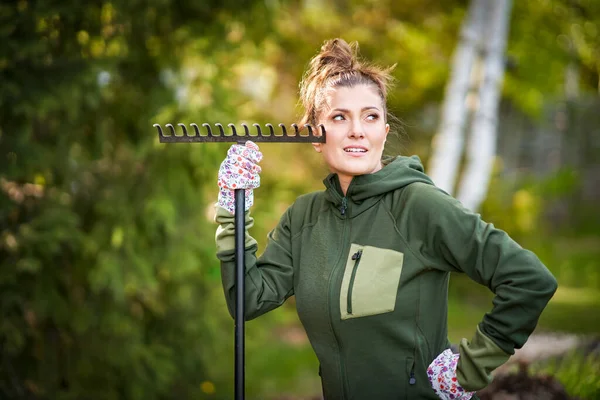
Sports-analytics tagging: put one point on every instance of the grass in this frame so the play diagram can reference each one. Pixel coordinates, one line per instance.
(282, 369)
(579, 374)
(571, 310)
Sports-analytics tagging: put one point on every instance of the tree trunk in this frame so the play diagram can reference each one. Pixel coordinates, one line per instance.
(448, 142)
(481, 149)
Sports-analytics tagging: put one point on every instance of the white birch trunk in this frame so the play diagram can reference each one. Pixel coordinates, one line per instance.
(448, 141)
(572, 81)
(481, 149)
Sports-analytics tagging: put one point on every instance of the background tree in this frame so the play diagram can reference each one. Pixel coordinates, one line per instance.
(106, 281)
(481, 149)
(449, 141)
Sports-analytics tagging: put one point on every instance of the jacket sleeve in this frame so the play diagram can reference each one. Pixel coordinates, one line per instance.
(456, 239)
(269, 279)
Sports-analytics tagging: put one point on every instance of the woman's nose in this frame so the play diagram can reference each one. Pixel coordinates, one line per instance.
(356, 129)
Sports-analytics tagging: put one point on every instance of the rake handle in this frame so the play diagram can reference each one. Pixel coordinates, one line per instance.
(240, 255)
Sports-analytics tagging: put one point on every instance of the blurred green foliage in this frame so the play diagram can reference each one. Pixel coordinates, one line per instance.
(576, 371)
(109, 284)
(106, 274)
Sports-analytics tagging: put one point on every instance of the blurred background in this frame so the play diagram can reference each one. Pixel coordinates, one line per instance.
(109, 283)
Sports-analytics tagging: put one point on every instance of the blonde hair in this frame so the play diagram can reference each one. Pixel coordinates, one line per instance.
(338, 65)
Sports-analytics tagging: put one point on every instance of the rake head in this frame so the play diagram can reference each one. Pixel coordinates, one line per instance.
(296, 134)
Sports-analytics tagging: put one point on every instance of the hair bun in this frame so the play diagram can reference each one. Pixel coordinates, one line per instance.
(338, 53)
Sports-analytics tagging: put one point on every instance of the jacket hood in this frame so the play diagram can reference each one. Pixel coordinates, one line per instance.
(396, 173)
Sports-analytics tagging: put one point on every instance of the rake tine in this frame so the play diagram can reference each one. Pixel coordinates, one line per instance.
(220, 128)
(271, 130)
(282, 126)
(233, 130)
(160, 131)
(322, 129)
(196, 129)
(310, 129)
(296, 129)
(258, 129)
(246, 130)
(208, 128)
(172, 128)
(185, 132)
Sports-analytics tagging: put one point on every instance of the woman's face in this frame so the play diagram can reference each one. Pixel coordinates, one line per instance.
(355, 126)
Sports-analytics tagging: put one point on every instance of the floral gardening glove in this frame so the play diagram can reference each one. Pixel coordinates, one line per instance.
(442, 376)
(239, 170)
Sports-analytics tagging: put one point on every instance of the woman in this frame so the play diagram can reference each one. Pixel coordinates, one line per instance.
(369, 258)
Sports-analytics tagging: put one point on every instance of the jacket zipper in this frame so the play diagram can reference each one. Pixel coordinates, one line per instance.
(345, 233)
(343, 208)
(344, 205)
(356, 257)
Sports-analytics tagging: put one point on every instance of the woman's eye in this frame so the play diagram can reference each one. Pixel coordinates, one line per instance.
(338, 117)
(372, 117)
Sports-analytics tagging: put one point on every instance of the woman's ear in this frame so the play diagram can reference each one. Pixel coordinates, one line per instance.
(387, 129)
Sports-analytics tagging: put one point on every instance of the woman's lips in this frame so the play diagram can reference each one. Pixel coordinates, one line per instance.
(355, 151)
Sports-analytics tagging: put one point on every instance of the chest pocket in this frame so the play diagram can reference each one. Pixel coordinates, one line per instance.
(370, 281)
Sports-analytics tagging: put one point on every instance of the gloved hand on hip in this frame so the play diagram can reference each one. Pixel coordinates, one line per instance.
(442, 376)
(239, 170)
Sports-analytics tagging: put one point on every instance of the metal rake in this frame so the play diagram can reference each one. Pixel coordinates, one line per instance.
(305, 134)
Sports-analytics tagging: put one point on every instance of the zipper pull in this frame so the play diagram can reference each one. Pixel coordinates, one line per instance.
(344, 206)
(412, 379)
(357, 255)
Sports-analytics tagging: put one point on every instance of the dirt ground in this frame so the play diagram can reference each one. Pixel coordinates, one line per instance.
(520, 385)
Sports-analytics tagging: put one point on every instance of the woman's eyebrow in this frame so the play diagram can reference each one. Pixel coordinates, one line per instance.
(344, 110)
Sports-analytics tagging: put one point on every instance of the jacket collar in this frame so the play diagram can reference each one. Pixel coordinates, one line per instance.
(365, 191)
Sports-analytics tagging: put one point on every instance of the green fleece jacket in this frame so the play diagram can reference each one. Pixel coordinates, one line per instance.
(370, 273)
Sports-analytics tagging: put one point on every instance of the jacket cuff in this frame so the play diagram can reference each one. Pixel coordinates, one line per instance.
(225, 236)
(478, 359)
